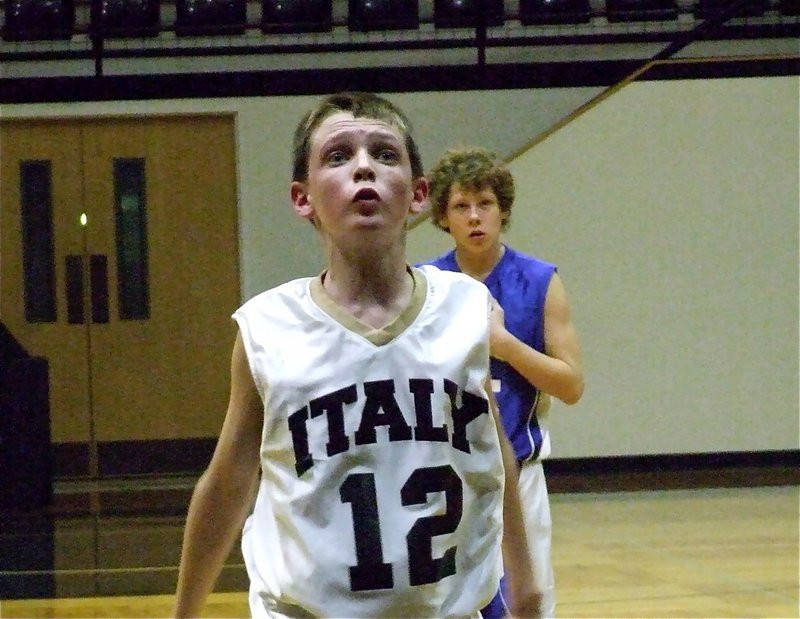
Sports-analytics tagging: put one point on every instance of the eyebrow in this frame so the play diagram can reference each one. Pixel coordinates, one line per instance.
(385, 135)
(482, 193)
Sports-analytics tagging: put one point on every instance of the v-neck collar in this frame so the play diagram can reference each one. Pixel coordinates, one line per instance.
(495, 269)
(377, 337)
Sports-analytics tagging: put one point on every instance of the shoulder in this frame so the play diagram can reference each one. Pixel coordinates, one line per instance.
(446, 261)
(454, 303)
(450, 283)
(279, 295)
(529, 262)
(437, 274)
(526, 269)
(274, 313)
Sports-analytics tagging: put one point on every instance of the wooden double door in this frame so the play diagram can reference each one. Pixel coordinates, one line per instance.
(119, 265)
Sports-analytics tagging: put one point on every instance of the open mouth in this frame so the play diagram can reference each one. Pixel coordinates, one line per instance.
(366, 195)
(476, 234)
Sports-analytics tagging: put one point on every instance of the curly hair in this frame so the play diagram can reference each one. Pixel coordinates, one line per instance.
(473, 169)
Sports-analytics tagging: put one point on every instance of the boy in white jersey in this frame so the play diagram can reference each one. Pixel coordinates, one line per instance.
(361, 410)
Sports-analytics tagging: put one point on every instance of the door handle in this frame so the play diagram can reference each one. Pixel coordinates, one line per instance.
(98, 282)
(98, 288)
(74, 282)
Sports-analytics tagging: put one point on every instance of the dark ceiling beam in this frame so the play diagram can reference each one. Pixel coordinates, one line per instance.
(402, 79)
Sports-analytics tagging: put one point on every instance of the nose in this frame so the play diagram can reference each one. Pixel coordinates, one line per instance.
(363, 170)
(474, 213)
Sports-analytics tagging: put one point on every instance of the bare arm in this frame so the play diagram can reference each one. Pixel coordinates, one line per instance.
(526, 599)
(222, 498)
(560, 371)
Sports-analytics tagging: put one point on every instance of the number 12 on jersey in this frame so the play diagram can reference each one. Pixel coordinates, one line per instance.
(370, 572)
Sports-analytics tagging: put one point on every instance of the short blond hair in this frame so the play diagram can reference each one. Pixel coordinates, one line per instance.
(360, 105)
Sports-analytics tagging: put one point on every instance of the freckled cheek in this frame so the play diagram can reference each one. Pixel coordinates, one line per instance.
(400, 186)
(332, 186)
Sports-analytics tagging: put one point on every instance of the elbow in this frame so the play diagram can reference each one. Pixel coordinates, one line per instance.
(574, 393)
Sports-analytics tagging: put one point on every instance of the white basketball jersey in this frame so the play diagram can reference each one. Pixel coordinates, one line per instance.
(381, 488)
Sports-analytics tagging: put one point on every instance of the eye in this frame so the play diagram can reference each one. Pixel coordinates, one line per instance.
(335, 157)
(388, 155)
(460, 207)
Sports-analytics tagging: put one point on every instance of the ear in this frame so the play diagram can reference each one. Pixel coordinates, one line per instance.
(301, 200)
(419, 197)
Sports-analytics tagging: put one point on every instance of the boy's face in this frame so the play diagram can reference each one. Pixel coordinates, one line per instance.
(359, 177)
(474, 218)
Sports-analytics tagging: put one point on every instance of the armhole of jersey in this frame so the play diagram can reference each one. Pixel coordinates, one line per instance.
(489, 299)
(244, 329)
(553, 272)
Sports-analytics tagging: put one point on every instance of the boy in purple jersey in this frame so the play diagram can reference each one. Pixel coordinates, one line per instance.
(534, 344)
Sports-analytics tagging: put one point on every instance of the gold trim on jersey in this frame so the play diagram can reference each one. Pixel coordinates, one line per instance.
(384, 335)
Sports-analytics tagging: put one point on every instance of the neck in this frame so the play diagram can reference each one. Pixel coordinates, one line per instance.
(479, 265)
(377, 279)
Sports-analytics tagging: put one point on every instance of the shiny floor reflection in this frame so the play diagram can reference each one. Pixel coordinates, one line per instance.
(724, 552)
(107, 538)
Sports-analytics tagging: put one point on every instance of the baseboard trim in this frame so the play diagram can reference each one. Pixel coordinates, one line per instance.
(134, 458)
(154, 458)
(673, 471)
(137, 477)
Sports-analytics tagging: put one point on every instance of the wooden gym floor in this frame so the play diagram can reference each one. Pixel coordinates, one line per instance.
(723, 552)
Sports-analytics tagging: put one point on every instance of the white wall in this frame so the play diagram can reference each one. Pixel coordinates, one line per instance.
(672, 211)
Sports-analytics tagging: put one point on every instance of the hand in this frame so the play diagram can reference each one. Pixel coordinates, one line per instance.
(498, 333)
(545, 400)
(527, 605)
